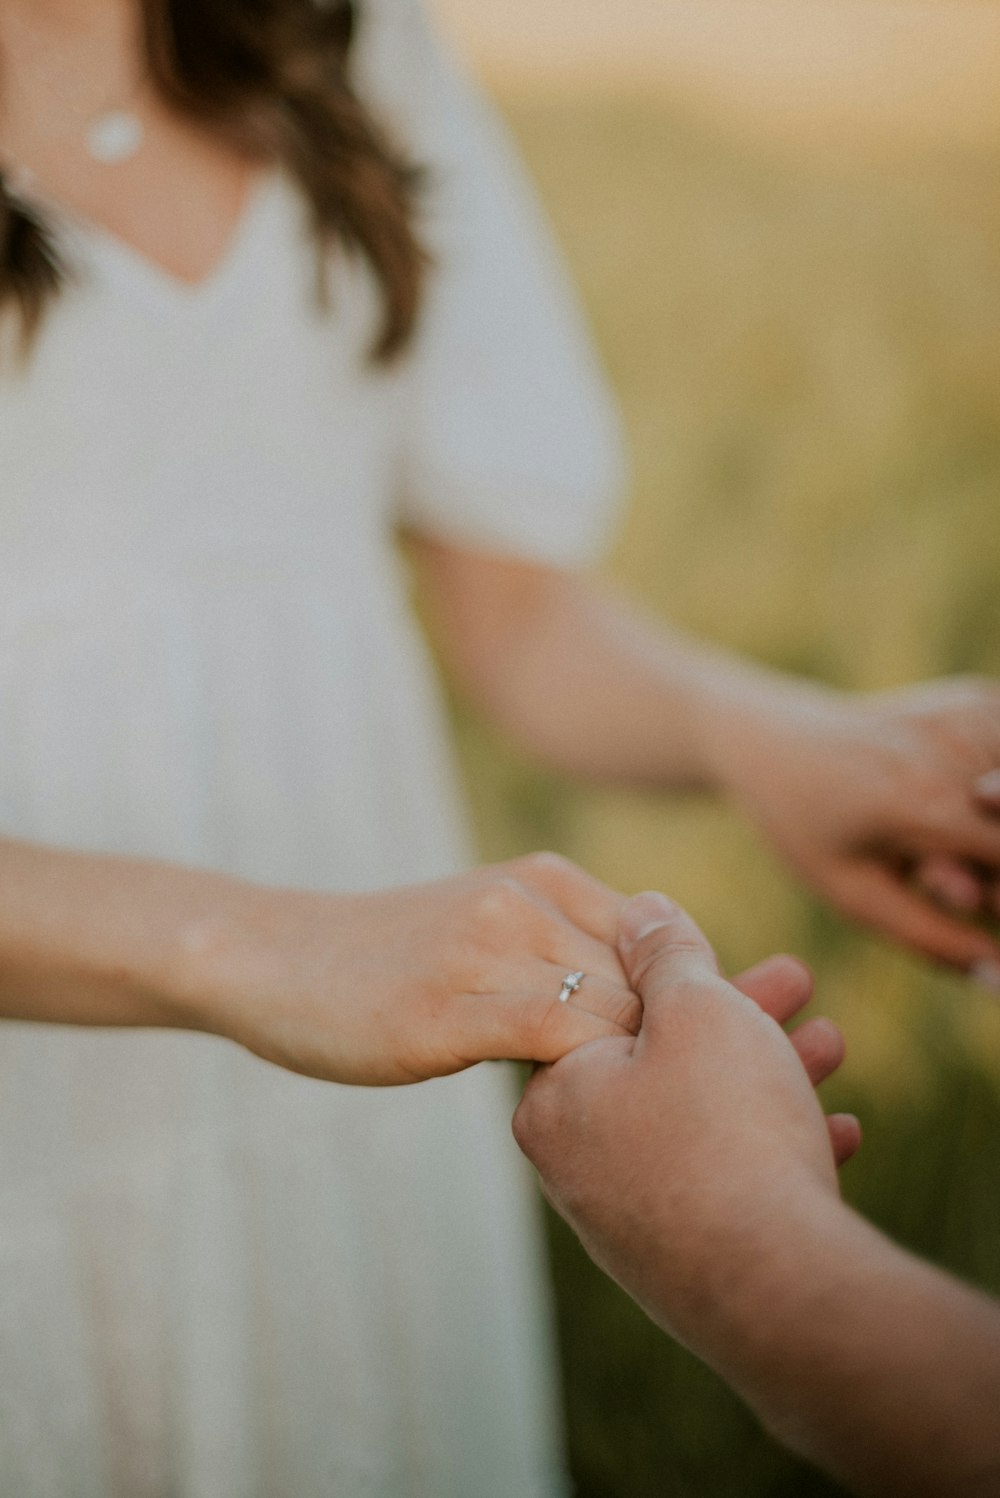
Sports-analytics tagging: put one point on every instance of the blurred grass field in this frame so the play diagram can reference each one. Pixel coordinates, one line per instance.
(808, 357)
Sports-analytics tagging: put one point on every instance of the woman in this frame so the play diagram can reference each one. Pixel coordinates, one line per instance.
(219, 1278)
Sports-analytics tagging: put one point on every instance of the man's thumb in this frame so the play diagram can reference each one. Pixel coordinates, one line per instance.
(660, 944)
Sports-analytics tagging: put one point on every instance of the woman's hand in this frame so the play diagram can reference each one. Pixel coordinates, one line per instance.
(669, 1152)
(872, 799)
(379, 988)
(418, 982)
(884, 803)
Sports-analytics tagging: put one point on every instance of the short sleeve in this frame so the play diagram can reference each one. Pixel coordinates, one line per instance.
(512, 441)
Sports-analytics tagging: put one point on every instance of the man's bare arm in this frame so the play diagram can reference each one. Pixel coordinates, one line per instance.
(695, 1164)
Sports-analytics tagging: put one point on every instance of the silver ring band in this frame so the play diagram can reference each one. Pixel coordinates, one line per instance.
(570, 984)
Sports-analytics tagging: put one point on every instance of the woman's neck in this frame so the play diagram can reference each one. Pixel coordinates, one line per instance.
(68, 16)
(68, 66)
(62, 60)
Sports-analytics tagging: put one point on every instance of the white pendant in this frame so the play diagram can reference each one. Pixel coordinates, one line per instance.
(116, 136)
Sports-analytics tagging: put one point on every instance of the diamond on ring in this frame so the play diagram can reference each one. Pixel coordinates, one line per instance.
(570, 984)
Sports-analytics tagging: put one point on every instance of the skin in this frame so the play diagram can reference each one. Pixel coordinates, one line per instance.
(398, 986)
(578, 677)
(695, 1163)
(179, 201)
(888, 804)
(472, 971)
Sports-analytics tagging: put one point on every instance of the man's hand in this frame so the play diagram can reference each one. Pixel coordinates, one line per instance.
(658, 1149)
(694, 1162)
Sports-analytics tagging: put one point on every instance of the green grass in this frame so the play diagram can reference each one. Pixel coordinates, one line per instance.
(808, 357)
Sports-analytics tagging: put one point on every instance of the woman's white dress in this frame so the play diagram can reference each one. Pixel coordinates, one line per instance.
(218, 1280)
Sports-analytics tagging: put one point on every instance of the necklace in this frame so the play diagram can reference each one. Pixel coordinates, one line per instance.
(117, 133)
(113, 136)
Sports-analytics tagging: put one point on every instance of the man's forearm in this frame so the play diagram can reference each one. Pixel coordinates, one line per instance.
(879, 1368)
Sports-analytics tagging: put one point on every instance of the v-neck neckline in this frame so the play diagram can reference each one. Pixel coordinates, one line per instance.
(94, 241)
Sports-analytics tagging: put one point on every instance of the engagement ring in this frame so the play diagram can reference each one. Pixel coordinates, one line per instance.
(570, 984)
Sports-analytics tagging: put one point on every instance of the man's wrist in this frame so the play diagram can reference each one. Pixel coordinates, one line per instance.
(867, 1361)
(755, 1268)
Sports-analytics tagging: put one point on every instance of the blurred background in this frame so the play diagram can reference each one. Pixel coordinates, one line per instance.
(783, 216)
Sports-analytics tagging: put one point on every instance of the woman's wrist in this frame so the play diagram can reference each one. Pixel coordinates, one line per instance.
(277, 971)
(742, 715)
(102, 940)
(232, 956)
(201, 950)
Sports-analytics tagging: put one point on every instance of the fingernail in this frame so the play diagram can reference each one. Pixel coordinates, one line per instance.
(986, 972)
(989, 784)
(643, 914)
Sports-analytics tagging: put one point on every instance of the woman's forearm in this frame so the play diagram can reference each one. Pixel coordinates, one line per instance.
(872, 799)
(382, 988)
(95, 940)
(592, 686)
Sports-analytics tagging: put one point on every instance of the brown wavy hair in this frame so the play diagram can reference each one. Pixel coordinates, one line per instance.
(271, 76)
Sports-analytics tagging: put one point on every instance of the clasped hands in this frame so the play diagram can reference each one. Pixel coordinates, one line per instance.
(876, 801)
(659, 1080)
(424, 981)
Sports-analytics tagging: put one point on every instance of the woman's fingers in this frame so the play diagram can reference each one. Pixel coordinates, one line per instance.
(876, 895)
(535, 1025)
(582, 925)
(951, 883)
(780, 985)
(542, 919)
(517, 922)
(845, 1136)
(586, 902)
(820, 1047)
(543, 933)
(610, 1001)
(572, 950)
(970, 830)
(987, 791)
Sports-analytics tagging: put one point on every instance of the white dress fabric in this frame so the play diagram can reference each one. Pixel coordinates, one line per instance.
(218, 1280)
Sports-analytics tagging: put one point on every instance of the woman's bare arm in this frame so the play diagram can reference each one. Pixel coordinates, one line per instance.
(93, 940)
(860, 793)
(377, 988)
